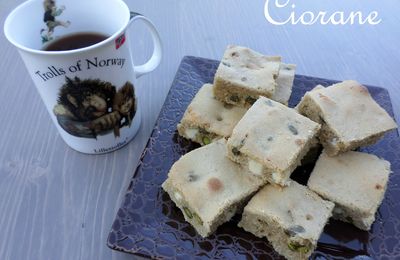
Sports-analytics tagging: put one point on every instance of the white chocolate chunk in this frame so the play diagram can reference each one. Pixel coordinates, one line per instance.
(338, 211)
(276, 177)
(178, 196)
(255, 167)
(191, 132)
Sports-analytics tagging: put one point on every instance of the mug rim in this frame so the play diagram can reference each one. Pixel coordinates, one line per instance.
(43, 52)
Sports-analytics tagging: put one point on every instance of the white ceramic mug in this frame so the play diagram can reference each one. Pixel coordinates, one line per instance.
(89, 92)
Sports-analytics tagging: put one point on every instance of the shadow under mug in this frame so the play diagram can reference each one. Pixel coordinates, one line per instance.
(89, 92)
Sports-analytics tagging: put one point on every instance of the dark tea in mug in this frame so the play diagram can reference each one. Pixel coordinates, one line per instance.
(75, 41)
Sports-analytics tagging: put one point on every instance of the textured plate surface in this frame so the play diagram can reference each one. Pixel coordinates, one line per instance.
(148, 223)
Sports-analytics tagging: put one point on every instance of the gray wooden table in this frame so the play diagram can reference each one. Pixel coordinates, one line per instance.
(56, 203)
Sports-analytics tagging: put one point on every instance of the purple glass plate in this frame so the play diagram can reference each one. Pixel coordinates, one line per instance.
(148, 223)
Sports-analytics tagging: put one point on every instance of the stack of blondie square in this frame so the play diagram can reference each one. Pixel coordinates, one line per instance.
(252, 142)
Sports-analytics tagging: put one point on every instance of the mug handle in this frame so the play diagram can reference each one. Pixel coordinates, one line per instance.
(155, 59)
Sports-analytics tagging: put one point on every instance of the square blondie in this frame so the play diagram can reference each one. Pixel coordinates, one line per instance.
(243, 75)
(349, 116)
(291, 218)
(355, 182)
(271, 139)
(208, 187)
(207, 119)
